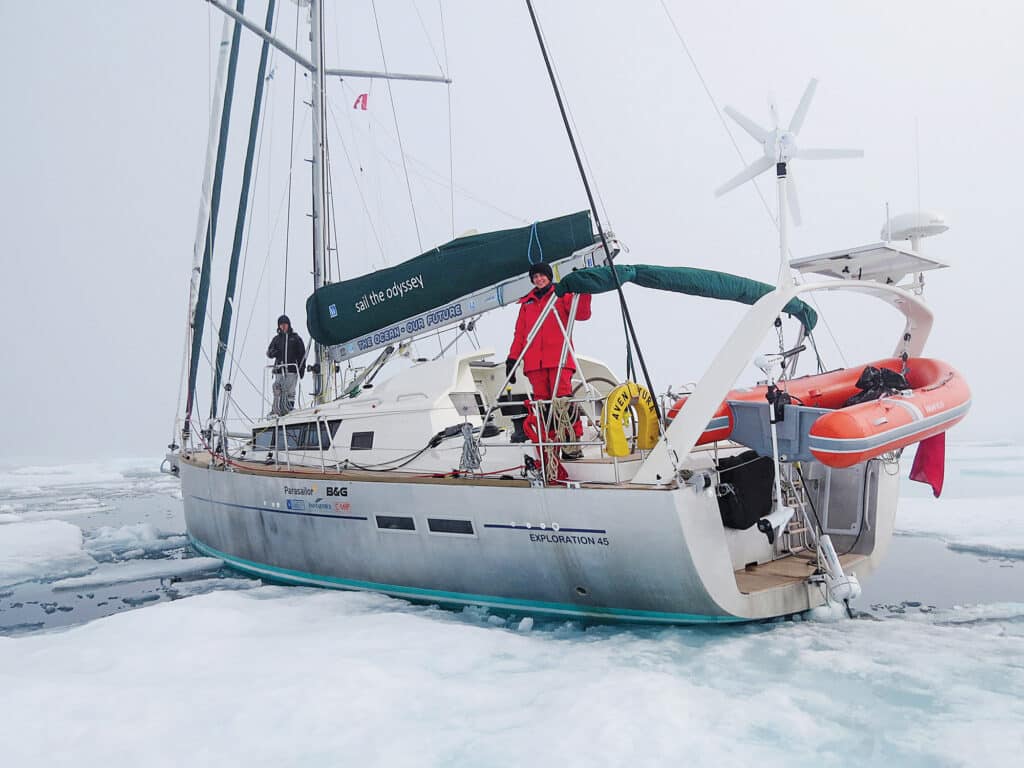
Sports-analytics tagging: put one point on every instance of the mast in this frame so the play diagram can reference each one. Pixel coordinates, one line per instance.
(320, 368)
(236, 246)
(319, 72)
(197, 320)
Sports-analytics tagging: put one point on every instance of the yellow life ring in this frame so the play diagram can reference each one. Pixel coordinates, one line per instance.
(616, 413)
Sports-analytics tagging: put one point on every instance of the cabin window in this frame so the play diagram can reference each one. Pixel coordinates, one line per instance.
(395, 523)
(361, 441)
(332, 429)
(299, 436)
(442, 525)
(263, 439)
(296, 435)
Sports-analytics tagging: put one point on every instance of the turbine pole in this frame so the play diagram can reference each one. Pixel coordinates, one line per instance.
(785, 273)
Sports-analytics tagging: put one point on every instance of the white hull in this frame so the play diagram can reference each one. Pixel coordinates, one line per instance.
(622, 554)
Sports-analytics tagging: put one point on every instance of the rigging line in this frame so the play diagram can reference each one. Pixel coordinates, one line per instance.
(739, 153)
(266, 260)
(332, 221)
(597, 220)
(718, 112)
(398, 131)
(438, 178)
(291, 162)
(430, 42)
(251, 203)
(440, 181)
(582, 148)
(451, 126)
(359, 188)
(188, 318)
(821, 316)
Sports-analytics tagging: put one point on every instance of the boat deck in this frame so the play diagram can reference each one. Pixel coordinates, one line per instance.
(205, 460)
(783, 572)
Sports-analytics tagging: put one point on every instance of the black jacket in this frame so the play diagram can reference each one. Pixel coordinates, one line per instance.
(288, 349)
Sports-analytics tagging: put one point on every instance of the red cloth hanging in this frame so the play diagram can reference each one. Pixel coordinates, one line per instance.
(930, 462)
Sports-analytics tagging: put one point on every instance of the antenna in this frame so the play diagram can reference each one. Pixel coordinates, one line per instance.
(780, 148)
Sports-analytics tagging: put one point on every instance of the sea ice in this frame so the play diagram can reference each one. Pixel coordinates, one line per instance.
(41, 550)
(106, 542)
(202, 586)
(136, 570)
(274, 676)
(984, 525)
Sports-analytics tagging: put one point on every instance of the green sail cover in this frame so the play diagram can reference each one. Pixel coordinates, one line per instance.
(341, 312)
(696, 282)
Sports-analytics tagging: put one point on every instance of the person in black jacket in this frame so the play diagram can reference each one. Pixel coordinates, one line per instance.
(289, 355)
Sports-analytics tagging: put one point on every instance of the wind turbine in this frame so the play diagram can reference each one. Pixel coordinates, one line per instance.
(780, 148)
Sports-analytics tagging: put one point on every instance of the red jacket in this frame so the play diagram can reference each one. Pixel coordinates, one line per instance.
(546, 349)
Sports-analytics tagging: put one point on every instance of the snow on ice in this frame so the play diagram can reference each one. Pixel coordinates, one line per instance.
(117, 573)
(41, 550)
(993, 526)
(276, 676)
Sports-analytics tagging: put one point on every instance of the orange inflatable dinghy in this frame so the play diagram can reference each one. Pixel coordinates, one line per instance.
(937, 399)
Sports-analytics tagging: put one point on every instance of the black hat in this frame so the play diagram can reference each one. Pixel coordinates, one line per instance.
(540, 268)
(284, 319)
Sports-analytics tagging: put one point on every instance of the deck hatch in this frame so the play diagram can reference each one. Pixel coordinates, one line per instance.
(444, 525)
(395, 523)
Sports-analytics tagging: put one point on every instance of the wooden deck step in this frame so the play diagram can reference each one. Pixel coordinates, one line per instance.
(783, 572)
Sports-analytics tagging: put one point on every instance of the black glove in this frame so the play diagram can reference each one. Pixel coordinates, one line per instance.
(510, 365)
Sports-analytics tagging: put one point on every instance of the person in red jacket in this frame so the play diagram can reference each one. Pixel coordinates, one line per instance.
(540, 363)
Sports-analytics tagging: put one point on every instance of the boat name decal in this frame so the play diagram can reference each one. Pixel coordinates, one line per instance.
(562, 538)
(396, 290)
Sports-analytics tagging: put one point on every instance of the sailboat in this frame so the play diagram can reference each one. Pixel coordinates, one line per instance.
(720, 504)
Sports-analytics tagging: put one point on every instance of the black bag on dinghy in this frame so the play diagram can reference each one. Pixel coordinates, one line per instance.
(745, 484)
(875, 383)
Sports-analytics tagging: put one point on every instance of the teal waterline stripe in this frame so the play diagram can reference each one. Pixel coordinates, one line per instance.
(460, 598)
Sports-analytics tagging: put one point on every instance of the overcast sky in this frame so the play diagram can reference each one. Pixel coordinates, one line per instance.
(104, 132)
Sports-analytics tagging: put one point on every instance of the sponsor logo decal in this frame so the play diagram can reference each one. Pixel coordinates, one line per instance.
(337, 491)
(297, 505)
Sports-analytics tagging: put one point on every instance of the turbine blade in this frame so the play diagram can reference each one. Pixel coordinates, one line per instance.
(794, 201)
(756, 132)
(801, 111)
(754, 169)
(828, 154)
(775, 115)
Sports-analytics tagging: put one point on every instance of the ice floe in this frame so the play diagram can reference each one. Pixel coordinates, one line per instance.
(202, 586)
(126, 541)
(137, 570)
(993, 526)
(275, 676)
(41, 550)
